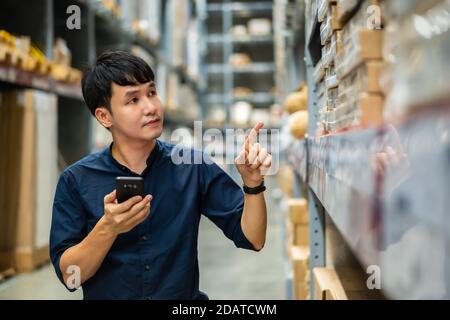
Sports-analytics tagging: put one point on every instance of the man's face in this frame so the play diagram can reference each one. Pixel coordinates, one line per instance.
(137, 112)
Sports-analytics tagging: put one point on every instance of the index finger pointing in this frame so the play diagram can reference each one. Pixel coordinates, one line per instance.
(253, 135)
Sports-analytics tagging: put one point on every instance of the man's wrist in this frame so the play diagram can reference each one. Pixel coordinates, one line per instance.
(105, 229)
(252, 183)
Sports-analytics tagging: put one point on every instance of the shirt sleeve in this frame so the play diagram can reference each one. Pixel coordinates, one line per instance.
(223, 203)
(69, 224)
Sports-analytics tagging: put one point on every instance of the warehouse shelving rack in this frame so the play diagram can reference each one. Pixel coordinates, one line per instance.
(395, 219)
(100, 30)
(227, 11)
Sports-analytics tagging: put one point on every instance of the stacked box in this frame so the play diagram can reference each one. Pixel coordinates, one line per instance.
(298, 246)
(358, 101)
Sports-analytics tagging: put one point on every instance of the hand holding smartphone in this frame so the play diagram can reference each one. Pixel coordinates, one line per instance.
(128, 187)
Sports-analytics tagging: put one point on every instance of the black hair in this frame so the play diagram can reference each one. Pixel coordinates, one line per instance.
(119, 67)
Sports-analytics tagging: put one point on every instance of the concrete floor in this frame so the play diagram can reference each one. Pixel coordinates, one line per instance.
(225, 271)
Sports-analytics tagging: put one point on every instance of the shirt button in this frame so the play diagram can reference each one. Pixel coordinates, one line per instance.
(145, 238)
(147, 267)
(148, 298)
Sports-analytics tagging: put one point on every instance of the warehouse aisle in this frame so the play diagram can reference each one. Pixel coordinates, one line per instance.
(230, 273)
(225, 271)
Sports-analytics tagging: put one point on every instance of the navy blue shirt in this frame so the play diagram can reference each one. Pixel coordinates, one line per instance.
(158, 258)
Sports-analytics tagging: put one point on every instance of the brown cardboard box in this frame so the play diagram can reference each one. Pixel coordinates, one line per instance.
(298, 210)
(301, 291)
(301, 236)
(31, 180)
(285, 179)
(371, 108)
(300, 263)
(298, 234)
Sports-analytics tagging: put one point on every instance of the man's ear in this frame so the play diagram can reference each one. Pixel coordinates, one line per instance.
(104, 116)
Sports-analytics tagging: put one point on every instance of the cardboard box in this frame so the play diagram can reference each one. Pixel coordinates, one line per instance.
(285, 179)
(298, 210)
(364, 45)
(300, 263)
(32, 178)
(301, 237)
(371, 109)
(301, 291)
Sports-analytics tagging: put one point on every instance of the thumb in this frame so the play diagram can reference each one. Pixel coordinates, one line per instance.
(110, 197)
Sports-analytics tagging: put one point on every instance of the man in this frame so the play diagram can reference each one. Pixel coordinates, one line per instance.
(146, 248)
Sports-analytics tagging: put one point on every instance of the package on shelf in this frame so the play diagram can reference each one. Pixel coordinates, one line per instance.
(298, 210)
(240, 59)
(330, 24)
(331, 80)
(362, 41)
(319, 72)
(342, 283)
(298, 124)
(417, 76)
(297, 100)
(14, 49)
(238, 30)
(28, 178)
(259, 27)
(299, 256)
(242, 92)
(240, 113)
(216, 115)
(61, 53)
(328, 53)
(363, 110)
(366, 78)
(346, 8)
(298, 233)
(285, 179)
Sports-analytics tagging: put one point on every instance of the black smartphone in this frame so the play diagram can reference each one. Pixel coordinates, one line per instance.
(128, 187)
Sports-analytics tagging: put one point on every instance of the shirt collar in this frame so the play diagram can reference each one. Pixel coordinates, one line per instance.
(151, 159)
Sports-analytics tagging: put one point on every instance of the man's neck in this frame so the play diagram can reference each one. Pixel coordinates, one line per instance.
(133, 155)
